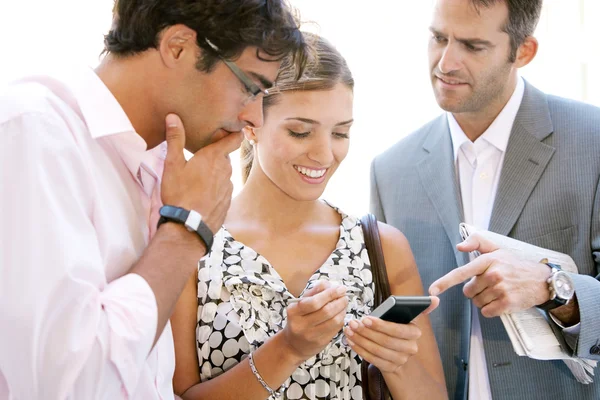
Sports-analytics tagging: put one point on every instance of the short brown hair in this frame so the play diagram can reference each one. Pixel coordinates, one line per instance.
(325, 68)
(523, 17)
(232, 25)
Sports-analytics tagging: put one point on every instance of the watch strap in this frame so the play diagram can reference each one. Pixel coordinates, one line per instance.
(180, 215)
(551, 304)
(553, 266)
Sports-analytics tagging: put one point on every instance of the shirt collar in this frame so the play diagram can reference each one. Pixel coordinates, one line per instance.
(499, 131)
(102, 112)
(105, 117)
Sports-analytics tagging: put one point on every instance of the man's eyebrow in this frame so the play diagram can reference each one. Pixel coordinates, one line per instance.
(266, 83)
(475, 41)
(470, 41)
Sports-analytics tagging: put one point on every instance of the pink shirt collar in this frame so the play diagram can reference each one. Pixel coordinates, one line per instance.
(105, 117)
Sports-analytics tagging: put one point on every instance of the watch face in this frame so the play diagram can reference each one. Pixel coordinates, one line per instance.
(563, 285)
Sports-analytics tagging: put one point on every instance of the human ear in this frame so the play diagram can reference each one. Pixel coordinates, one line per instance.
(526, 51)
(177, 42)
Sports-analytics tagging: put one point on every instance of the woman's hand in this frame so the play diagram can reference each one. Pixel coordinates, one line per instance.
(387, 345)
(314, 320)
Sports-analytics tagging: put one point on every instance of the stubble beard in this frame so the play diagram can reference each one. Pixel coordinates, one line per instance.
(482, 95)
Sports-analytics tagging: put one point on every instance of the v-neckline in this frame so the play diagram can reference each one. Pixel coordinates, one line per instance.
(272, 269)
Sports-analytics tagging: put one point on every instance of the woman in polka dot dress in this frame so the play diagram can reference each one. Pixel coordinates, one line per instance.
(278, 307)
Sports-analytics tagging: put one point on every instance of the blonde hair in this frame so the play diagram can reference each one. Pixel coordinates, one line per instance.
(325, 68)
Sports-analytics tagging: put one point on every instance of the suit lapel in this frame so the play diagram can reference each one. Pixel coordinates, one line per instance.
(525, 160)
(438, 177)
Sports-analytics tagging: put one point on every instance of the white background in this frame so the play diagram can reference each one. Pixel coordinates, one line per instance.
(384, 42)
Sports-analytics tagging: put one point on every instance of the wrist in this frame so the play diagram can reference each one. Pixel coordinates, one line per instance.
(568, 314)
(178, 235)
(397, 375)
(544, 290)
(288, 353)
(191, 219)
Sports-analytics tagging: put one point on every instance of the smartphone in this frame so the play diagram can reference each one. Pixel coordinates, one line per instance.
(401, 309)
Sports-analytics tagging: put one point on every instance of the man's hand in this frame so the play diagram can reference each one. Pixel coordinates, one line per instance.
(499, 282)
(203, 183)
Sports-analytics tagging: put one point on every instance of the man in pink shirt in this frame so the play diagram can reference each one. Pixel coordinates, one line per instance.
(87, 282)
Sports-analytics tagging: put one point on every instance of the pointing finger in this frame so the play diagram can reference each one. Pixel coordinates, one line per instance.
(435, 302)
(459, 275)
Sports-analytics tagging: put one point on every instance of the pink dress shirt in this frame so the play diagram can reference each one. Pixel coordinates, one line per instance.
(77, 209)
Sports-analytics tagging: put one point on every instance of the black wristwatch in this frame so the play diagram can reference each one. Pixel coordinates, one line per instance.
(192, 220)
(561, 287)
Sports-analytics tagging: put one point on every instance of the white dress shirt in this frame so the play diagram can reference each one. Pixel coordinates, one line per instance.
(478, 167)
(79, 195)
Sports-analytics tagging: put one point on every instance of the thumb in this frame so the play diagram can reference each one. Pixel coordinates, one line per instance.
(477, 242)
(175, 136)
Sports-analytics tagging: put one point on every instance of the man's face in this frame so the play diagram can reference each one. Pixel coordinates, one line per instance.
(469, 56)
(213, 104)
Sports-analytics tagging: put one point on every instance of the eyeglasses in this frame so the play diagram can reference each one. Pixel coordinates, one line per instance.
(252, 88)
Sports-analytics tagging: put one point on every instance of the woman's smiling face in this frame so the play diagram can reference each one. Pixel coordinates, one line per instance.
(304, 139)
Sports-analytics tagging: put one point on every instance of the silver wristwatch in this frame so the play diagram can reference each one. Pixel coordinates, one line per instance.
(561, 287)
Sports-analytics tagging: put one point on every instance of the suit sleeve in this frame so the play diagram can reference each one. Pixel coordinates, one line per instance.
(375, 203)
(587, 289)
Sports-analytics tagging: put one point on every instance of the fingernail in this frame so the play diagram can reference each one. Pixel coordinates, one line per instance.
(367, 321)
(434, 291)
(348, 332)
(340, 290)
(354, 325)
(171, 121)
(350, 342)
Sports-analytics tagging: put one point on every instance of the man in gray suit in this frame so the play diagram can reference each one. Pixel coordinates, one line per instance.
(508, 158)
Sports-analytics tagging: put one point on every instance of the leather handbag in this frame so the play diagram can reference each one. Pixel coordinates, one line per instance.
(373, 384)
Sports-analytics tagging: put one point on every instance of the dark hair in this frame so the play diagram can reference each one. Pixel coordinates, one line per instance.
(324, 69)
(232, 25)
(523, 17)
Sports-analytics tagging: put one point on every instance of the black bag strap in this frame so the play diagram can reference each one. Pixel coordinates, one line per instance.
(377, 389)
(373, 245)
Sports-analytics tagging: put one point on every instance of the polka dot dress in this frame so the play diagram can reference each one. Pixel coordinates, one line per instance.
(242, 300)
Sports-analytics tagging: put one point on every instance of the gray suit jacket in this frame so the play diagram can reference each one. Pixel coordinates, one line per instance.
(548, 195)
